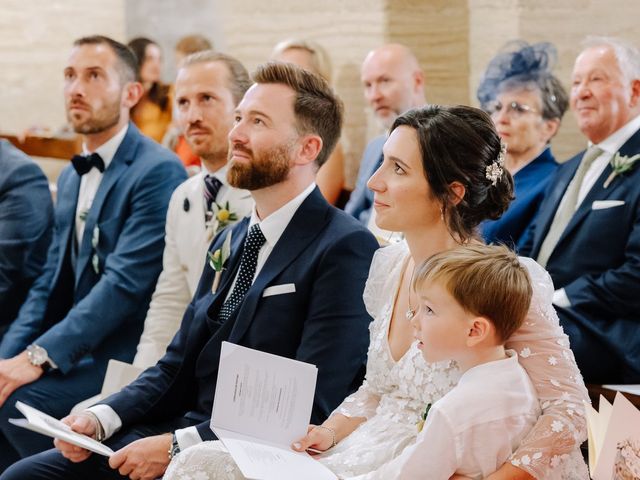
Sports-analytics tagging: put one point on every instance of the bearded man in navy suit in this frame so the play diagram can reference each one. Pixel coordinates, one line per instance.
(88, 305)
(292, 286)
(588, 232)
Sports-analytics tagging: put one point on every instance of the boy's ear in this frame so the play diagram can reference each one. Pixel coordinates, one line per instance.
(480, 328)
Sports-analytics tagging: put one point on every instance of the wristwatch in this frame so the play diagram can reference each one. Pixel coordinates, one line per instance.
(38, 357)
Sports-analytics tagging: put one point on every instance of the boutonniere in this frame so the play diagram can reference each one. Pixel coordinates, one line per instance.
(423, 418)
(219, 218)
(218, 259)
(620, 164)
(95, 238)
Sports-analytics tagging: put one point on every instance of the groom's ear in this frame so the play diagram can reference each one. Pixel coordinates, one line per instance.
(479, 330)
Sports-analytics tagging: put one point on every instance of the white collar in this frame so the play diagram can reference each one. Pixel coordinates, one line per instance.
(617, 139)
(274, 225)
(109, 148)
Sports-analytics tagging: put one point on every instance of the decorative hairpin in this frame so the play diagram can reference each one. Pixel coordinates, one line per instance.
(494, 171)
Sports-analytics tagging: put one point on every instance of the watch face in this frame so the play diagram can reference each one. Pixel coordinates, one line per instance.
(37, 355)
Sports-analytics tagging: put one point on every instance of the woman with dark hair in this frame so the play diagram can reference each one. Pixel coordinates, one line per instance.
(526, 102)
(442, 175)
(152, 114)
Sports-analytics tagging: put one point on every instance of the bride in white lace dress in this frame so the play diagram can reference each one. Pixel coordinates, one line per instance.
(435, 211)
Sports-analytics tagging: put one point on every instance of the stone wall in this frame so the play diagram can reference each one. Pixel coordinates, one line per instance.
(453, 39)
(35, 40)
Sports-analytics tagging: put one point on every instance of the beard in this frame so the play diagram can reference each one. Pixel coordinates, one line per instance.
(98, 121)
(265, 169)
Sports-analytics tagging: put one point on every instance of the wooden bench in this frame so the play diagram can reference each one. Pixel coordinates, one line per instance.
(596, 390)
(49, 147)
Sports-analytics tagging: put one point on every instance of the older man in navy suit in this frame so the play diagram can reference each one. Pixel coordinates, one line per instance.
(588, 231)
(88, 306)
(26, 223)
(292, 286)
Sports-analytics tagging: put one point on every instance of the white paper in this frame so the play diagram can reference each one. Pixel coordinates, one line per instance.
(620, 455)
(263, 404)
(119, 375)
(40, 422)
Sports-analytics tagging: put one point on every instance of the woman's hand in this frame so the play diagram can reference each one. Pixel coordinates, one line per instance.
(316, 441)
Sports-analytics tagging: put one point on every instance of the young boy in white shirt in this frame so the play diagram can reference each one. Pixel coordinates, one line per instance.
(472, 299)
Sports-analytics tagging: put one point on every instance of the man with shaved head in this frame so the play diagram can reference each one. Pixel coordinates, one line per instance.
(393, 83)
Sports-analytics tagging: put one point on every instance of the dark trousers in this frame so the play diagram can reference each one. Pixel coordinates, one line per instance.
(52, 465)
(54, 394)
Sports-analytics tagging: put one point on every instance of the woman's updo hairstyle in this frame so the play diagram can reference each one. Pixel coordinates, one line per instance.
(457, 144)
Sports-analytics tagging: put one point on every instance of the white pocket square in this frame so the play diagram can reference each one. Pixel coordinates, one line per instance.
(602, 204)
(279, 289)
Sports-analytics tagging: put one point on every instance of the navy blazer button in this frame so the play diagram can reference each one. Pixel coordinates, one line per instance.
(186, 205)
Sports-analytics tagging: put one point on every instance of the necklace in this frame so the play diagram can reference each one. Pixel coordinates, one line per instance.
(411, 312)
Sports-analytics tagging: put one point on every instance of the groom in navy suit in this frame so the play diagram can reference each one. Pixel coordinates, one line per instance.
(292, 286)
(89, 304)
(588, 231)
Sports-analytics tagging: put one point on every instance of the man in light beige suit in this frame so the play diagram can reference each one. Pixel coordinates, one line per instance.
(208, 87)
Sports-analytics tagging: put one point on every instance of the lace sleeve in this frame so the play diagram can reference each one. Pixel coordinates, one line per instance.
(378, 291)
(544, 352)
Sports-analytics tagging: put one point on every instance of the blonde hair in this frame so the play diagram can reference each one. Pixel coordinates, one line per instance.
(193, 44)
(486, 281)
(319, 57)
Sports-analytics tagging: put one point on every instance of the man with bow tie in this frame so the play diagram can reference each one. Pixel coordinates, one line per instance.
(89, 304)
(587, 233)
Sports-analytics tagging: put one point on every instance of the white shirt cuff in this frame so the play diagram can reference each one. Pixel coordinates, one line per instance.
(187, 437)
(560, 299)
(108, 418)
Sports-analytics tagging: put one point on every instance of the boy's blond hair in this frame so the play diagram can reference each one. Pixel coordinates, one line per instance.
(487, 281)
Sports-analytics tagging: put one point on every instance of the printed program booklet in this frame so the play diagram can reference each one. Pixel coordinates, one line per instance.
(262, 405)
(40, 422)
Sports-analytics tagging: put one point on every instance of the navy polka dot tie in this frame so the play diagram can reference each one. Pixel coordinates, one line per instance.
(252, 245)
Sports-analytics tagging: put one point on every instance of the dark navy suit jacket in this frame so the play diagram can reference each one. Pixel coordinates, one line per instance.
(326, 254)
(597, 259)
(26, 223)
(73, 314)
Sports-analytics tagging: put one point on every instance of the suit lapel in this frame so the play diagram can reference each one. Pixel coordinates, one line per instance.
(238, 235)
(546, 215)
(598, 192)
(118, 166)
(67, 205)
(306, 224)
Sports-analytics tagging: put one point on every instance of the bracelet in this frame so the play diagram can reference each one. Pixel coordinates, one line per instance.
(100, 434)
(332, 432)
(174, 449)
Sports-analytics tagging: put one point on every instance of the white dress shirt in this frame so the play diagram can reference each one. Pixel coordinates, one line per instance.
(609, 147)
(473, 429)
(90, 181)
(272, 228)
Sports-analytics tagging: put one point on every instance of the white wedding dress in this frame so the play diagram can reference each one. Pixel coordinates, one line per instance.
(395, 393)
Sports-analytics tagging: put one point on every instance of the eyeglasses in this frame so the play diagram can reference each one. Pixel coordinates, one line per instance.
(513, 109)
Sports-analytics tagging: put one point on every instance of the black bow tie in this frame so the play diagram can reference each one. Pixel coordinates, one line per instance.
(83, 164)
